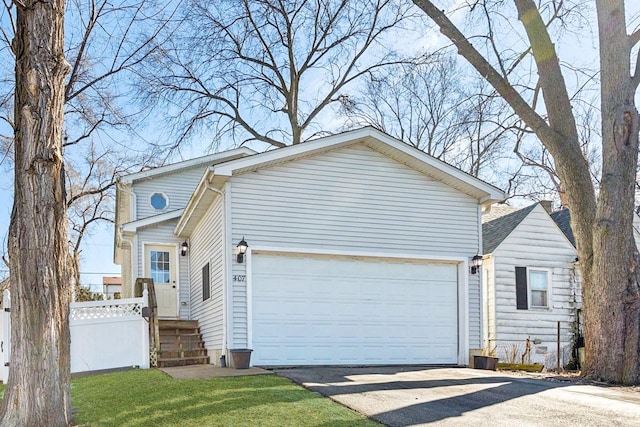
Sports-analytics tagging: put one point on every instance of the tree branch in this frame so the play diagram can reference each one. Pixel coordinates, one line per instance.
(499, 83)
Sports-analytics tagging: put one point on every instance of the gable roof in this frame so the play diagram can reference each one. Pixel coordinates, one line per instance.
(378, 141)
(494, 232)
(562, 218)
(216, 176)
(188, 164)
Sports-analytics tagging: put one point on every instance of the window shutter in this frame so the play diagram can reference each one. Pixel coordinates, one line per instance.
(521, 288)
(206, 292)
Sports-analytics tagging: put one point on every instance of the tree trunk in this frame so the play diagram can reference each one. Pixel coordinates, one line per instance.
(611, 294)
(609, 261)
(38, 392)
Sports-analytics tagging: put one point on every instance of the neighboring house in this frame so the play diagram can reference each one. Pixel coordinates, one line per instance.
(358, 251)
(111, 287)
(563, 218)
(531, 283)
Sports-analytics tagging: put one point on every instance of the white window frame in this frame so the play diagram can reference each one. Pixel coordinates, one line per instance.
(530, 290)
(163, 194)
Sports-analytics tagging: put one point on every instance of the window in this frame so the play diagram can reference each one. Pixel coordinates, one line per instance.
(159, 201)
(160, 266)
(206, 291)
(532, 288)
(538, 288)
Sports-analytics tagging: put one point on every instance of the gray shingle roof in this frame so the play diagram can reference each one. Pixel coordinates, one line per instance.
(494, 232)
(562, 218)
(498, 211)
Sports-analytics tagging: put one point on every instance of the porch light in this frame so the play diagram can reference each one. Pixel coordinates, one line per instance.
(184, 248)
(476, 262)
(242, 249)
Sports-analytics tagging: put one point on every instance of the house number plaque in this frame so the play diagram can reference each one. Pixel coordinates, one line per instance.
(239, 278)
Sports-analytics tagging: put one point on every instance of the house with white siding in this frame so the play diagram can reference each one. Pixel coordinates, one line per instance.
(357, 250)
(531, 282)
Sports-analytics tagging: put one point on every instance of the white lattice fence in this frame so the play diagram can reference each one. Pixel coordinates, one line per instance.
(105, 309)
(109, 334)
(104, 335)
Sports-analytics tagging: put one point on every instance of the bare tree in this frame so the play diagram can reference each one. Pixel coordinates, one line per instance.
(104, 43)
(267, 70)
(38, 391)
(419, 104)
(438, 108)
(90, 199)
(602, 225)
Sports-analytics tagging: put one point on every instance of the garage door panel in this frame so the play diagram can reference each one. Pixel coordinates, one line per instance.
(315, 310)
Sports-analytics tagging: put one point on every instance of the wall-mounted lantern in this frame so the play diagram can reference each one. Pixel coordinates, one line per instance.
(242, 249)
(184, 248)
(476, 263)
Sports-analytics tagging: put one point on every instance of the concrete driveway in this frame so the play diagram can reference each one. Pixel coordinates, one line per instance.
(413, 396)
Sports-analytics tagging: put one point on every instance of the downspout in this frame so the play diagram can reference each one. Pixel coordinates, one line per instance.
(224, 269)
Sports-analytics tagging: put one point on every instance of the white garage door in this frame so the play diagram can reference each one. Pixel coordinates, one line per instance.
(313, 310)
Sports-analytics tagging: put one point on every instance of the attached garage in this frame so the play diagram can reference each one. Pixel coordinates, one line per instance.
(343, 310)
(355, 250)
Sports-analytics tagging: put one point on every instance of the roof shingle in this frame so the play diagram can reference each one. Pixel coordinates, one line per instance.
(562, 218)
(494, 232)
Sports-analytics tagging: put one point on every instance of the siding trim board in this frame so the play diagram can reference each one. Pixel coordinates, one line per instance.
(227, 268)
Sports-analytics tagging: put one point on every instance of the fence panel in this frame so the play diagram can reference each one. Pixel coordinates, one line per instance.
(109, 334)
(104, 335)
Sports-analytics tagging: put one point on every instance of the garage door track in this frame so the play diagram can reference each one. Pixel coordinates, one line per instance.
(413, 396)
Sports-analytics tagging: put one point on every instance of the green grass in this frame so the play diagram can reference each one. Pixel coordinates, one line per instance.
(151, 398)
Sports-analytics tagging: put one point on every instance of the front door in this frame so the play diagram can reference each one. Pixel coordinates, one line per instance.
(160, 265)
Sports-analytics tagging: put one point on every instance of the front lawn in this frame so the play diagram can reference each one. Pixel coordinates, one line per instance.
(151, 398)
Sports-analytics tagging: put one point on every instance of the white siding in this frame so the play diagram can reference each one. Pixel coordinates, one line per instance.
(178, 187)
(353, 199)
(536, 243)
(163, 234)
(206, 247)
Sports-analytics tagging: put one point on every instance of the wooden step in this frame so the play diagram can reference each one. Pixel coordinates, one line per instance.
(182, 361)
(178, 346)
(182, 353)
(178, 324)
(178, 332)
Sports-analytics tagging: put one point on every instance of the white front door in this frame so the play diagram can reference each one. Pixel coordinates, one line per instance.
(160, 265)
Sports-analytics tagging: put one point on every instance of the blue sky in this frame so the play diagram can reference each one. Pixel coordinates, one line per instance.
(97, 248)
